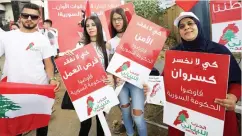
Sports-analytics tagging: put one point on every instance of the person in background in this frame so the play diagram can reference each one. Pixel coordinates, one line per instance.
(52, 35)
(25, 54)
(14, 26)
(193, 40)
(1, 27)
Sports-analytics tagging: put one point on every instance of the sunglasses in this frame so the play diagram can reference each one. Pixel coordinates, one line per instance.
(182, 26)
(26, 16)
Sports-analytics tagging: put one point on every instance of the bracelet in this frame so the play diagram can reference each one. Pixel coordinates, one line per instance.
(53, 78)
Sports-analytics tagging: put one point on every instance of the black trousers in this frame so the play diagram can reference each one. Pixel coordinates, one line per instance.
(86, 126)
(40, 131)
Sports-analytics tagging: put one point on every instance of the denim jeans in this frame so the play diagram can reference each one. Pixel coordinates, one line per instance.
(137, 102)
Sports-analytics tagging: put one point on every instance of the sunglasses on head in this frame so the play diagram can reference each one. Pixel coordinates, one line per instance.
(26, 16)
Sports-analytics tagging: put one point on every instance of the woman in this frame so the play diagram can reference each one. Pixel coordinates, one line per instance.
(129, 109)
(193, 40)
(93, 35)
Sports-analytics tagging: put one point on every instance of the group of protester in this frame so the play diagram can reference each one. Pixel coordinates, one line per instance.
(29, 49)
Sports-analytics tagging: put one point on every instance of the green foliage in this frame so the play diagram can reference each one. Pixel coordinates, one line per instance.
(146, 8)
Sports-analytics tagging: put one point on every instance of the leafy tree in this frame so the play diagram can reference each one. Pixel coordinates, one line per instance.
(147, 8)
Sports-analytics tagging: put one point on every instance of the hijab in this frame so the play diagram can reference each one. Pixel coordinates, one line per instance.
(201, 44)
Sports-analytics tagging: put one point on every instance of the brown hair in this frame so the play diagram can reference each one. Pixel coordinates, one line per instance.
(100, 40)
(121, 12)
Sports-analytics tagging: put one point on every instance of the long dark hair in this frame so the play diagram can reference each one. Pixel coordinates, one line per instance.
(100, 40)
(121, 12)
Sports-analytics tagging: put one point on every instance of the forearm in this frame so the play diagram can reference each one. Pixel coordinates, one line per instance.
(49, 68)
(50, 71)
(235, 89)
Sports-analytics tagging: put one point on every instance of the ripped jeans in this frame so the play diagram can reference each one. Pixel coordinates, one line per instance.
(128, 110)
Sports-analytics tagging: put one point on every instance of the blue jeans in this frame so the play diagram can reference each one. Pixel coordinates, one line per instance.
(137, 103)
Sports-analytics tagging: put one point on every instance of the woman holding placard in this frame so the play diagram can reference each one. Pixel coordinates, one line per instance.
(193, 40)
(131, 110)
(93, 35)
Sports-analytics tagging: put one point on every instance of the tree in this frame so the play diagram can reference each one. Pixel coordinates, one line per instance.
(147, 8)
(7, 105)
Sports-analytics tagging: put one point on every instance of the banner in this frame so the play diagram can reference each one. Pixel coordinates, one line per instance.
(227, 23)
(83, 76)
(129, 12)
(138, 50)
(24, 107)
(192, 82)
(66, 14)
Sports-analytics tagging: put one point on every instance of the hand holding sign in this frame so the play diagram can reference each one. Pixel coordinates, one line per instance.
(229, 103)
(193, 81)
(137, 51)
(85, 85)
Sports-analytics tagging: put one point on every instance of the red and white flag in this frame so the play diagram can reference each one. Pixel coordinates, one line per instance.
(88, 9)
(24, 107)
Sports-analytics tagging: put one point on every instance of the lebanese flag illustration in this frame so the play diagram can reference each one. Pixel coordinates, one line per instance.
(30, 46)
(124, 66)
(228, 33)
(182, 117)
(24, 107)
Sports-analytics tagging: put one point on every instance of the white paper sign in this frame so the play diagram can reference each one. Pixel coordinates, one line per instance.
(156, 95)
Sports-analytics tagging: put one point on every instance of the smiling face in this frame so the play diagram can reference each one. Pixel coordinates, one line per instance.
(29, 18)
(117, 22)
(91, 28)
(188, 29)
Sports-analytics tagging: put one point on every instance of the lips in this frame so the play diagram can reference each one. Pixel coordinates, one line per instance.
(118, 26)
(188, 32)
(91, 31)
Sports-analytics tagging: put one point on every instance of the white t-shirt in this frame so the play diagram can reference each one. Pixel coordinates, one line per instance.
(98, 51)
(114, 42)
(53, 39)
(24, 54)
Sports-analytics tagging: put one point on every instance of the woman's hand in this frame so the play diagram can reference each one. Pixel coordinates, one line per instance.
(119, 81)
(69, 52)
(109, 80)
(229, 103)
(56, 84)
(146, 89)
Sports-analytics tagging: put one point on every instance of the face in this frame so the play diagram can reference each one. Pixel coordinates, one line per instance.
(188, 29)
(91, 28)
(29, 18)
(117, 22)
(46, 25)
(14, 27)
